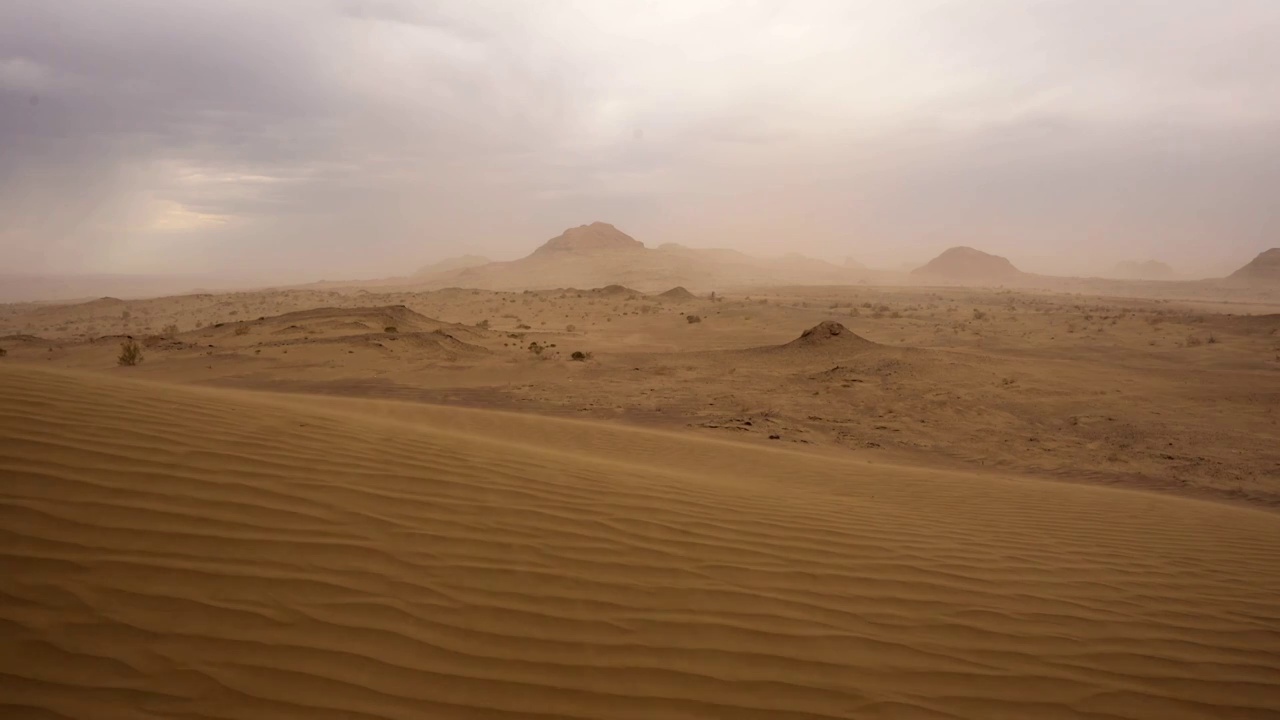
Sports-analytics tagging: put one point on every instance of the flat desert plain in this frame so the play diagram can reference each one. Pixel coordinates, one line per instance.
(819, 502)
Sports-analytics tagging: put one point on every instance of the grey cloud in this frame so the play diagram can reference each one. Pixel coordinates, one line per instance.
(360, 135)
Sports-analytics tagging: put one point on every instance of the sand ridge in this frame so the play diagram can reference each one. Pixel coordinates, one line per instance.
(212, 553)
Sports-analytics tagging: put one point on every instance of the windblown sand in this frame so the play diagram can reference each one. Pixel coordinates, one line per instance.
(212, 553)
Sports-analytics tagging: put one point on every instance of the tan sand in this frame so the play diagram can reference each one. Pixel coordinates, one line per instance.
(209, 553)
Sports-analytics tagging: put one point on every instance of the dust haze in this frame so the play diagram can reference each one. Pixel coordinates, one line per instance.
(293, 141)
(640, 360)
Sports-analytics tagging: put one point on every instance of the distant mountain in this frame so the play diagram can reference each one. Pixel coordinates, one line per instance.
(453, 263)
(1263, 269)
(970, 266)
(595, 237)
(1149, 270)
(600, 254)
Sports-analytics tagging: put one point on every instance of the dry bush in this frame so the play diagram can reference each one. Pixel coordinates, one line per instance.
(392, 329)
(979, 315)
(242, 330)
(3, 352)
(570, 328)
(169, 330)
(580, 356)
(691, 319)
(130, 354)
(1194, 341)
(483, 324)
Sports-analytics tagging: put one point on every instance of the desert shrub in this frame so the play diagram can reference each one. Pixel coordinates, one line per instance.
(130, 354)
(483, 324)
(570, 328)
(580, 356)
(979, 315)
(169, 330)
(242, 330)
(523, 326)
(391, 329)
(3, 352)
(125, 315)
(691, 319)
(535, 348)
(1212, 339)
(1193, 341)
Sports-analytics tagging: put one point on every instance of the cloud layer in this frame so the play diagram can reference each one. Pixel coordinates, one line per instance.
(303, 139)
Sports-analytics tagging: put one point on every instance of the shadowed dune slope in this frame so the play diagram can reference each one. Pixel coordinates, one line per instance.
(213, 554)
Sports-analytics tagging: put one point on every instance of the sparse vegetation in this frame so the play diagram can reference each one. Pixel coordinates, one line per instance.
(242, 330)
(3, 352)
(536, 348)
(169, 330)
(483, 324)
(570, 328)
(390, 329)
(580, 356)
(130, 353)
(1194, 341)
(691, 319)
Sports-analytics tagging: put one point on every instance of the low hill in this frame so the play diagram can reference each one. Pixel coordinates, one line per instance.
(969, 266)
(1263, 269)
(171, 548)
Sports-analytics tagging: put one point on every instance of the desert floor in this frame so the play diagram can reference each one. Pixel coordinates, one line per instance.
(933, 503)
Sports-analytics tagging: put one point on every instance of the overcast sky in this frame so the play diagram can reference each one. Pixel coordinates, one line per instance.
(344, 138)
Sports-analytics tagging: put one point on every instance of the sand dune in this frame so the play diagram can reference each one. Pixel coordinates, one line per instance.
(213, 554)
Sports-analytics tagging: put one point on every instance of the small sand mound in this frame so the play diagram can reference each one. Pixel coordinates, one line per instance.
(353, 320)
(678, 293)
(829, 333)
(615, 291)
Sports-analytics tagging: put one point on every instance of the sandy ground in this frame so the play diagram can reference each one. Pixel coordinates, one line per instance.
(1177, 396)
(214, 553)
(818, 502)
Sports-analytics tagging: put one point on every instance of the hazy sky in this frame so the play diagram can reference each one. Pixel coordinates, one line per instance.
(340, 138)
